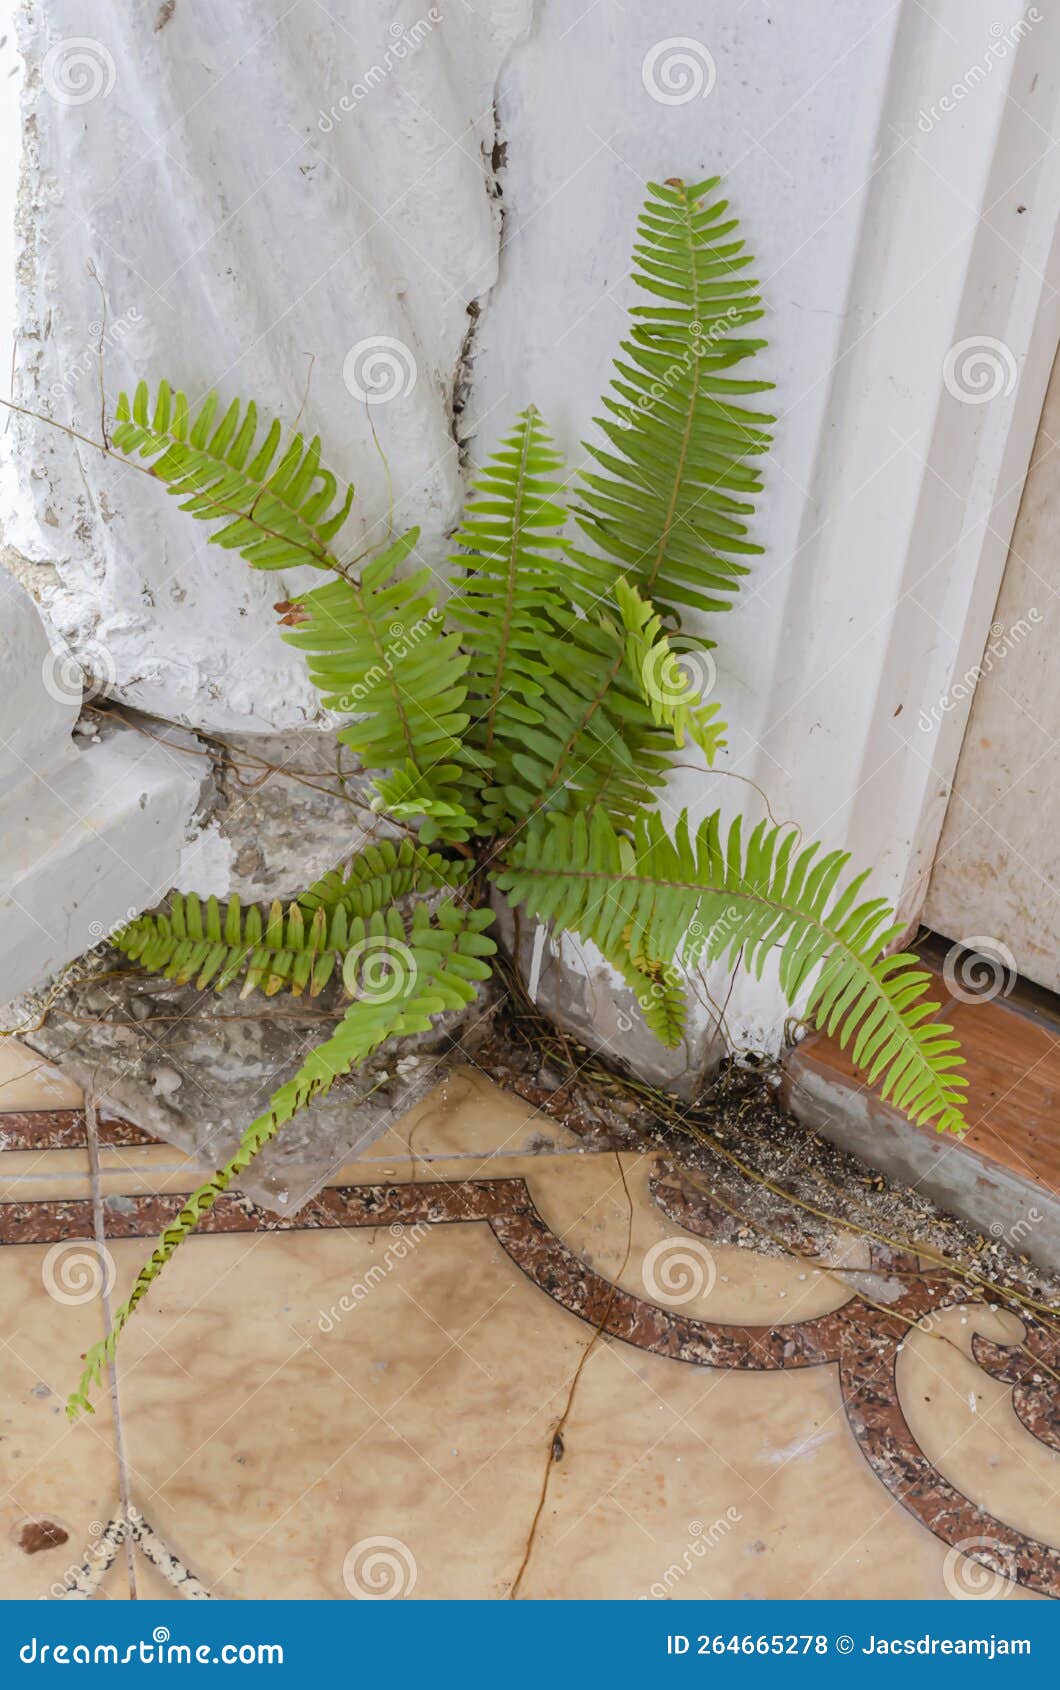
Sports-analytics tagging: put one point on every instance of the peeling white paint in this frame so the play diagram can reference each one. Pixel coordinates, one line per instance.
(241, 244)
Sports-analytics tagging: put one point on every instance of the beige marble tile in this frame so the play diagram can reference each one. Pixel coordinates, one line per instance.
(468, 1115)
(965, 1422)
(269, 1434)
(305, 1413)
(33, 1176)
(28, 1082)
(50, 1471)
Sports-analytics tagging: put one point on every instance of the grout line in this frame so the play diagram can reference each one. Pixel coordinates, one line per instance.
(101, 1243)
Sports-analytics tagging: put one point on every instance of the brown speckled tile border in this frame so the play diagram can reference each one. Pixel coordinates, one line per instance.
(860, 1339)
(63, 1129)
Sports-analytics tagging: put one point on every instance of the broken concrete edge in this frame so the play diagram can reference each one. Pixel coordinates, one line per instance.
(197, 1080)
(73, 839)
(577, 989)
(947, 1171)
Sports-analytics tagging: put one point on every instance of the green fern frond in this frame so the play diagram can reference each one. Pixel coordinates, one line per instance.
(660, 996)
(588, 736)
(669, 689)
(375, 647)
(719, 899)
(281, 508)
(552, 712)
(675, 483)
(273, 950)
(433, 964)
(380, 874)
(508, 574)
(437, 800)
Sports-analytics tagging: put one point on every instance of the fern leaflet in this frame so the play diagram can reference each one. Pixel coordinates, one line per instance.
(718, 899)
(281, 506)
(668, 688)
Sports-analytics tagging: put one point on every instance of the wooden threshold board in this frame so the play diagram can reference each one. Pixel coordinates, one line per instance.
(1004, 1175)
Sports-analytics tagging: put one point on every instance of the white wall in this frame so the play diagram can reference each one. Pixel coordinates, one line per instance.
(247, 239)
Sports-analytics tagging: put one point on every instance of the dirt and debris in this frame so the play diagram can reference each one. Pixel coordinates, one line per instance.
(775, 1185)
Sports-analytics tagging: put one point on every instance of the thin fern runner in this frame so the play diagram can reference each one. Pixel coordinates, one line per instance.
(520, 735)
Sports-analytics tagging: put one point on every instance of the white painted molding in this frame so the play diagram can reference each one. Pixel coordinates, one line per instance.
(92, 835)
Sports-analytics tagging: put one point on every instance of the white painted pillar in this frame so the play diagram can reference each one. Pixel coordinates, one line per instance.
(894, 170)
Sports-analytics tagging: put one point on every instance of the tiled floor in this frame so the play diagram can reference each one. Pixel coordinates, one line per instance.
(486, 1362)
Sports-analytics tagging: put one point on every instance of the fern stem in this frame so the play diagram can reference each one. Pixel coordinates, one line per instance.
(779, 905)
(193, 1212)
(690, 415)
(510, 575)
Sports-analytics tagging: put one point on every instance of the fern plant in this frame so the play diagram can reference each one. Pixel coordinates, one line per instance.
(525, 728)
